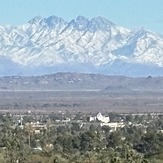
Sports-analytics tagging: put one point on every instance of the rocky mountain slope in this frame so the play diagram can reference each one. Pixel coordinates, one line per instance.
(48, 45)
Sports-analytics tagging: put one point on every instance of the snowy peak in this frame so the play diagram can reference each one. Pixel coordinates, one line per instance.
(81, 20)
(51, 21)
(80, 23)
(87, 45)
(92, 25)
(35, 20)
(100, 23)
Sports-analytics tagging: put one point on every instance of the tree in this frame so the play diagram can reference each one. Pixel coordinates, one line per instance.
(114, 139)
(16, 149)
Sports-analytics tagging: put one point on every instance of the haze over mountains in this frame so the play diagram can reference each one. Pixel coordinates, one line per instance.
(49, 45)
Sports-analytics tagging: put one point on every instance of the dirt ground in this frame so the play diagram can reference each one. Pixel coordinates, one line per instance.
(81, 101)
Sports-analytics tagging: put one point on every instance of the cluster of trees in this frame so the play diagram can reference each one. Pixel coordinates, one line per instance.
(69, 143)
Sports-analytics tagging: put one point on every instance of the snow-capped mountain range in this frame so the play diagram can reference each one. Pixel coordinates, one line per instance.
(48, 45)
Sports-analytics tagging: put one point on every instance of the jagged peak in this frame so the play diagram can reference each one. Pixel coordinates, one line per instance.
(49, 21)
(81, 19)
(36, 19)
(100, 23)
(53, 20)
(96, 23)
(80, 23)
(102, 20)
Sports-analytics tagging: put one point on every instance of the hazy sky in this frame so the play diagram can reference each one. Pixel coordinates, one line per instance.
(127, 13)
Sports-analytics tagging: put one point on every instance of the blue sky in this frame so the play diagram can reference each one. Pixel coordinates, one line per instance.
(127, 13)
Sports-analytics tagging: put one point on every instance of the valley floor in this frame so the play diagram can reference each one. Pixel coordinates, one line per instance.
(83, 101)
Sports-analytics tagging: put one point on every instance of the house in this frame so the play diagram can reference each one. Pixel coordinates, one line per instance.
(99, 117)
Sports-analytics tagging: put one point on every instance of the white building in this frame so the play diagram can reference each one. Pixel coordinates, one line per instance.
(100, 118)
(113, 125)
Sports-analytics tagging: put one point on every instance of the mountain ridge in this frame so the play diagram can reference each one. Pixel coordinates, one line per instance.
(94, 45)
(81, 82)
